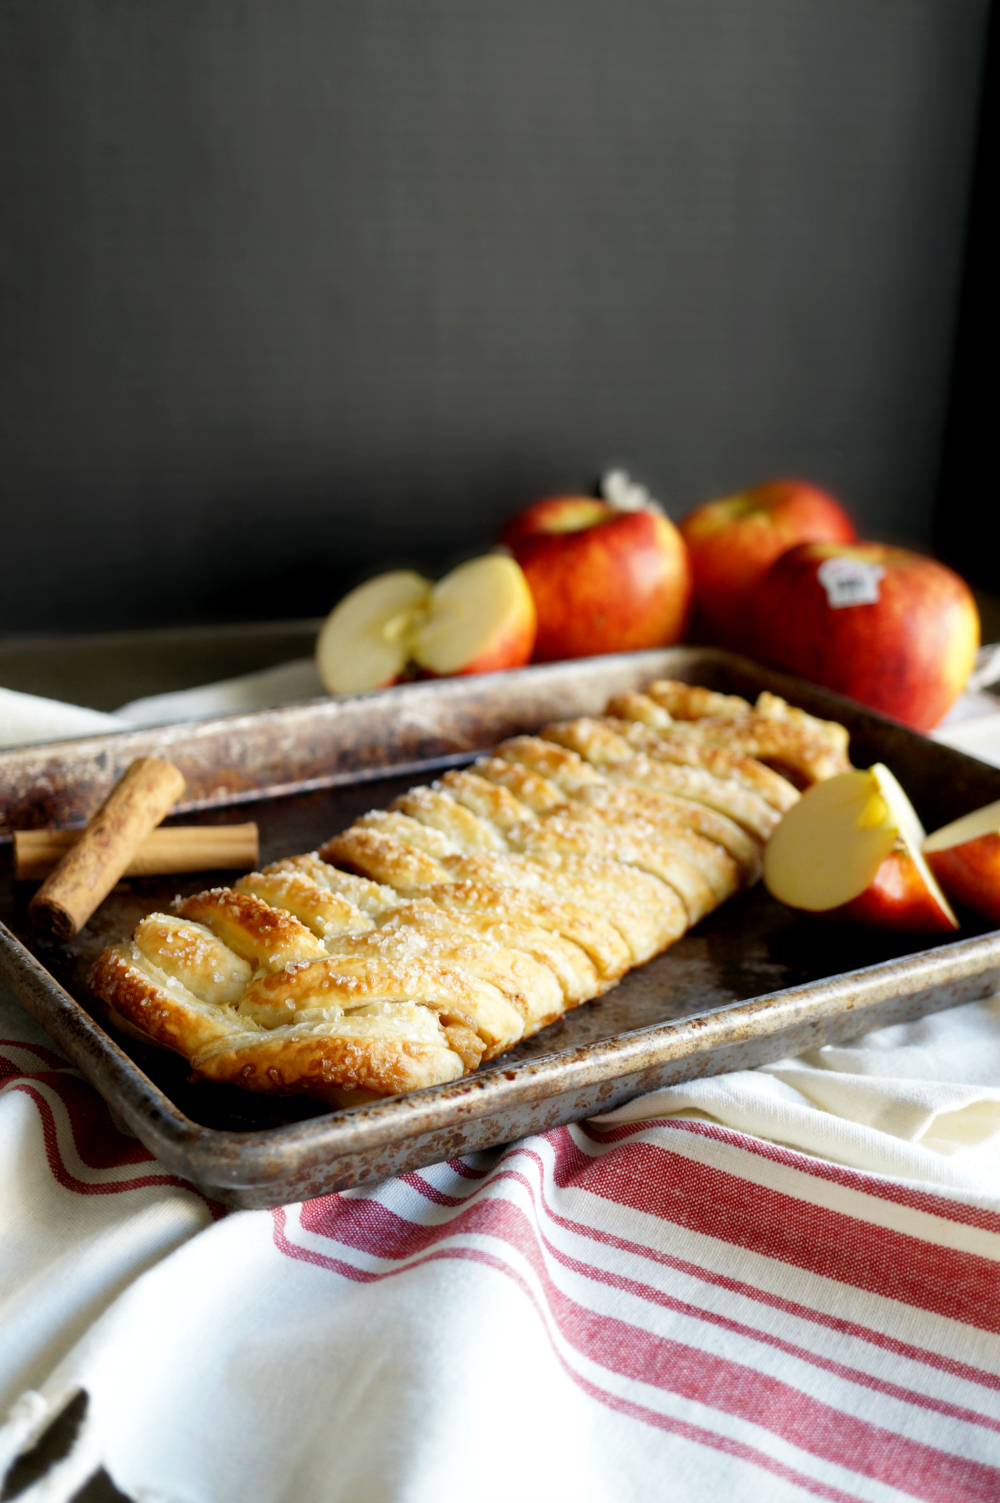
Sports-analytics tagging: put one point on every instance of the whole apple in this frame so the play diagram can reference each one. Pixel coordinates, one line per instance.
(733, 542)
(890, 628)
(603, 579)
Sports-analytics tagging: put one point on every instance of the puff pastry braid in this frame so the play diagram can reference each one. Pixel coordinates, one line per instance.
(435, 934)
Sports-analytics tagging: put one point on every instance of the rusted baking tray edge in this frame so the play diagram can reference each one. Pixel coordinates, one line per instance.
(319, 743)
(494, 1106)
(408, 729)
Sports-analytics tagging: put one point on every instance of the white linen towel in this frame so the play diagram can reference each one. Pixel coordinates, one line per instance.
(668, 1302)
(777, 1284)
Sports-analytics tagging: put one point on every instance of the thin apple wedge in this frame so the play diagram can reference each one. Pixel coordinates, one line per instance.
(851, 849)
(965, 858)
(901, 898)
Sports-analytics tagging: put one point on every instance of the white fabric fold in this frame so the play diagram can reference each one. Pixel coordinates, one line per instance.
(288, 683)
(972, 725)
(918, 1100)
(570, 1317)
(26, 719)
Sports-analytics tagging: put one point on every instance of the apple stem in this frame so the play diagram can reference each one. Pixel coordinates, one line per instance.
(625, 494)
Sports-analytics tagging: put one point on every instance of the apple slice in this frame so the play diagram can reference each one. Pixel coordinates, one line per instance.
(851, 848)
(965, 858)
(902, 896)
(365, 641)
(479, 618)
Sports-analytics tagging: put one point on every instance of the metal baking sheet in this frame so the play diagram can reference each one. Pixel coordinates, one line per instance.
(751, 983)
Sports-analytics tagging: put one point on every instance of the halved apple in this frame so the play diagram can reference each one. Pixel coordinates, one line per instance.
(479, 618)
(364, 643)
(850, 849)
(965, 858)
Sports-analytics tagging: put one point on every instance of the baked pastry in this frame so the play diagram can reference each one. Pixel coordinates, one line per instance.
(433, 935)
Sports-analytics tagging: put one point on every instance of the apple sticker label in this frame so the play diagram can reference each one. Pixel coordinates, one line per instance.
(849, 581)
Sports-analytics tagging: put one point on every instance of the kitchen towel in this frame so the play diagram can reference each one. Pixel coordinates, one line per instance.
(779, 1284)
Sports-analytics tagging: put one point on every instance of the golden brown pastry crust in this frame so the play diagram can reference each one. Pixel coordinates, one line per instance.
(647, 914)
(691, 702)
(325, 913)
(348, 981)
(738, 804)
(792, 749)
(368, 1054)
(623, 801)
(156, 1004)
(514, 789)
(524, 927)
(718, 760)
(434, 934)
(251, 928)
(436, 808)
(372, 898)
(383, 859)
(616, 757)
(549, 758)
(194, 956)
(830, 732)
(578, 913)
(771, 731)
(585, 833)
(639, 708)
(528, 984)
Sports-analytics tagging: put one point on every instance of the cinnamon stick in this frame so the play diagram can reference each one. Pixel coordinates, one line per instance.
(178, 848)
(91, 867)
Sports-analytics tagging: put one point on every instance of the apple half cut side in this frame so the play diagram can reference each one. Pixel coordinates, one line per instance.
(965, 858)
(851, 849)
(364, 643)
(479, 618)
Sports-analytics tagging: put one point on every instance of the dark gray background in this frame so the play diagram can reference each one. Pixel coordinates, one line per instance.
(968, 510)
(293, 290)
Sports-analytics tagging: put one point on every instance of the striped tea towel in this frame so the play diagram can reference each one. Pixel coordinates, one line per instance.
(780, 1284)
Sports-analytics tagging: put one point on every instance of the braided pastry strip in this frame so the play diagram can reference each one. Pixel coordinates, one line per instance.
(435, 934)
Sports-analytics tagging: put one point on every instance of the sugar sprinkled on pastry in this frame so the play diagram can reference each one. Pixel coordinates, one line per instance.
(435, 934)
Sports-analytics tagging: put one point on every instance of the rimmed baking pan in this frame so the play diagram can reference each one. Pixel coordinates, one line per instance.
(751, 983)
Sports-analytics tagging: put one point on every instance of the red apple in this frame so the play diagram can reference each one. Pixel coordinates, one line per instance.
(899, 898)
(554, 514)
(604, 579)
(479, 618)
(890, 628)
(965, 858)
(733, 542)
(850, 850)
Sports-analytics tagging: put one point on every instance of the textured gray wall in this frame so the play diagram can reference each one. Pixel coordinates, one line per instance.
(293, 289)
(968, 502)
